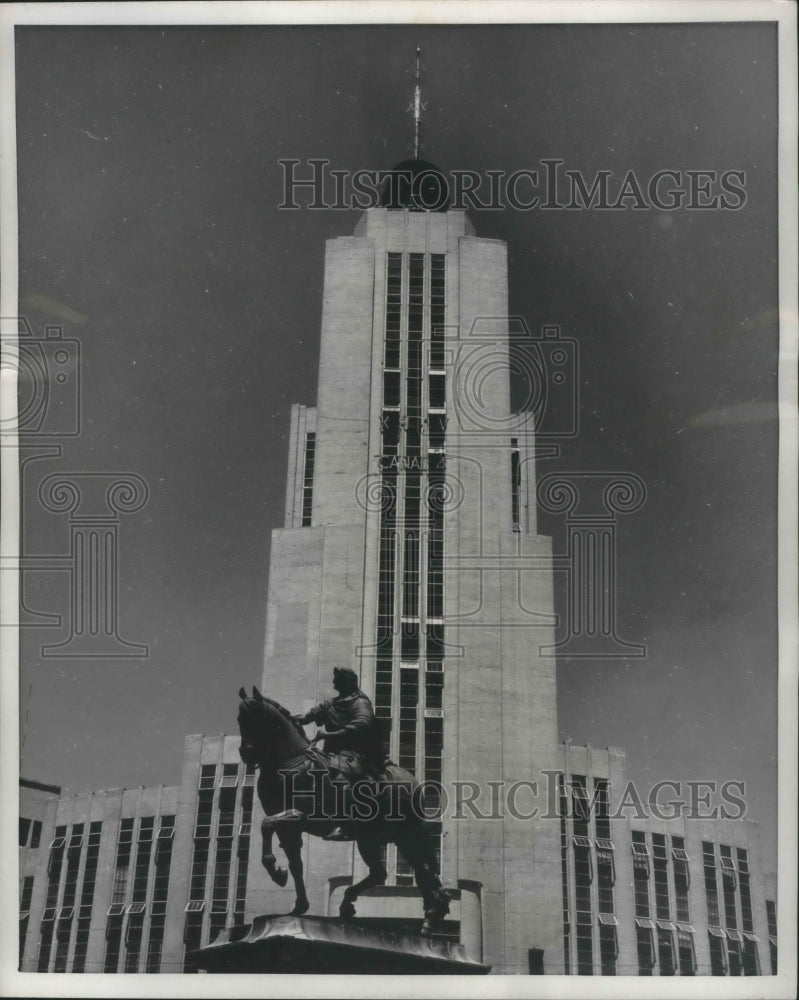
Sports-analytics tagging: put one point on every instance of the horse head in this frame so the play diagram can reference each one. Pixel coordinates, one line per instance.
(268, 732)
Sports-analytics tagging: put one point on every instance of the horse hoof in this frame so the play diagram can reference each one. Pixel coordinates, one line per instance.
(300, 908)
(281, 877)
(426, 929)
(346, 911)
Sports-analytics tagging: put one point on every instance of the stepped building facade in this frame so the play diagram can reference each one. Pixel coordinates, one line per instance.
(410, 552)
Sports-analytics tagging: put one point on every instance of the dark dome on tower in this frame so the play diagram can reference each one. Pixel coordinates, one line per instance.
(417, 185)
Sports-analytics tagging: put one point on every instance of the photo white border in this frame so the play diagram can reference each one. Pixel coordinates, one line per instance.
(784, 14)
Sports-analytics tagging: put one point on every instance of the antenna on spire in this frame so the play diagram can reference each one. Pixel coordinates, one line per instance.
(417, 106)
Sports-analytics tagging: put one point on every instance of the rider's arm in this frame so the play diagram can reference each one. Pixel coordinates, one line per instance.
(316, 714)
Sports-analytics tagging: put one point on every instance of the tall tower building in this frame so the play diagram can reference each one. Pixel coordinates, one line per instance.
(411, 483)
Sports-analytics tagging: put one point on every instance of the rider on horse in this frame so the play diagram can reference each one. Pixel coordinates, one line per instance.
(350, 731)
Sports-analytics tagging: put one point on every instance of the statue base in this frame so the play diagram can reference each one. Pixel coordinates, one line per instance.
(329, 945)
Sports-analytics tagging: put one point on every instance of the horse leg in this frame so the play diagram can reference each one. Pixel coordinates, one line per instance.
(369, 850)
(290, 837)
(418, 852)
(268, 860)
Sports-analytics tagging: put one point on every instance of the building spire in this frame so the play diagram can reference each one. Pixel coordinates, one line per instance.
(417, 106)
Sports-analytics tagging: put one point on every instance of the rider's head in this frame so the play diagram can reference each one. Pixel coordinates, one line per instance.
(345, 680)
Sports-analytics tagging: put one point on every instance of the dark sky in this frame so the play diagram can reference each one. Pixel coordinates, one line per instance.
(149, 229)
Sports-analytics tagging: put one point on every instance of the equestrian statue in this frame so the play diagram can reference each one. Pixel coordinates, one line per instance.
(348, 791)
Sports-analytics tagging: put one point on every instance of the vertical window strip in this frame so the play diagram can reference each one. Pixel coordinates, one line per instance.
(515, 485)
(718, 964)
(583, 876)
(711, 886)
(602, 808)
(563, 809)
(608, 949)
(409, 700)
(113, 931)
(54, 866)
(745, 891)
(686, 953)
(87, 897)
(223, 860)
(661, 879)
(163, 864)
(307, 479)
(771, 918)
(243, 856)
(24, 910)
(646, 951)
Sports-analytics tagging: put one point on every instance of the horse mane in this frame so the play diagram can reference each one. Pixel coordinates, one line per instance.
(286, 715)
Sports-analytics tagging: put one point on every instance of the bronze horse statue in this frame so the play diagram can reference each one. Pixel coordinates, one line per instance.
(297, 788)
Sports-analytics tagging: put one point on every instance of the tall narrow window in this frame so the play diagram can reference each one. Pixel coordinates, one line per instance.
(118, 896)
(771, 916)
(409, 699)
(608, 948)
(745, 891)
(660, 866)
(563, 809)
(307, 479)
(582, 889)
(718, 965)
(243, 852)
(24, 914)
(666, 952)
(87, 897)
(163, 861)
(646, 950)
(681, 879)
(602, 809)
(515, 485)
(393, 310)
(711, 887)
(686, 953)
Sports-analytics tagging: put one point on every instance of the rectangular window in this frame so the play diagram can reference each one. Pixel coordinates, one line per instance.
(581, 813)
(608, 949)
(583, 877)
(745, 892)
(393, 310)
(771, 917)
(409, 699)
(711, 887)
(666, 952)
(660, 867)
(24, 830)
(437, 309)
(605, 880)
(391, 388)
(515, 485)
(686, 954)
(410, 578)
(113, 946)
(751, 966)
(438, 392)
(602, 811)
(207, 776)
(646, 951)
(718, 964)
(307, 479)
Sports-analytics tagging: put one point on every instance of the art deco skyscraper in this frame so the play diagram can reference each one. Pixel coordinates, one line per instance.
(410, 482)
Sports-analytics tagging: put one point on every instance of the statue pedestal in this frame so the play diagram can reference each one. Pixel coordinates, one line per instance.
(328, 945)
